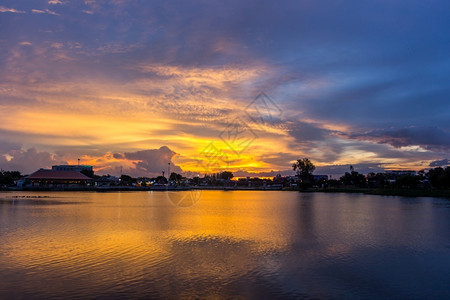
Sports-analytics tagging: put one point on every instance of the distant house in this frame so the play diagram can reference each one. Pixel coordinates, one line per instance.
(52, 178)
(398, 173)
(393, 175)
(321, 177)
(107, 180)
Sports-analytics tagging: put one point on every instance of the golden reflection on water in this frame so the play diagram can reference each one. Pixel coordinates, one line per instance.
(104, 238)
(128, 226)
(142, 245)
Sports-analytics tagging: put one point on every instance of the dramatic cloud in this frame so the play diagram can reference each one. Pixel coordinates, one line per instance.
(361, 83)
(432, 138)
(306, 132)
(29, 161)
(440, 163)
(152, 162)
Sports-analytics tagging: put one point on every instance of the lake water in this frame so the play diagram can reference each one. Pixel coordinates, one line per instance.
(223, 245)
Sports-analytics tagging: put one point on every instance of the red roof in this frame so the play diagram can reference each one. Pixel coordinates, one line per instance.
(62, 175)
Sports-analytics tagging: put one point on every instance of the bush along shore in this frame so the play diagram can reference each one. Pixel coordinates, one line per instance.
(425, 183)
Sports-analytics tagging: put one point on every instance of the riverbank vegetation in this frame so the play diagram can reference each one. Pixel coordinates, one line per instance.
(433, 182)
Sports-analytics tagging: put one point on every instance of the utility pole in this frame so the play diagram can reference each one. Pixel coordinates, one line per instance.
(168, 171)
(78, 162)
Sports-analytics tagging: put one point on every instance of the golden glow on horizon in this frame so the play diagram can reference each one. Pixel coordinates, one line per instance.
(182, 108)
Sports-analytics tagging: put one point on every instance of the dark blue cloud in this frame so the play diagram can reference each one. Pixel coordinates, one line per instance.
(432, 138)
(440, 163)
(338, 170)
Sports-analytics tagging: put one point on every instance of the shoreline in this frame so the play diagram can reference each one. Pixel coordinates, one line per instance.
(387, 192)
(380, 192)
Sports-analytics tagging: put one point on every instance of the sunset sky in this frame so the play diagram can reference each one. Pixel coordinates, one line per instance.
(246, 86)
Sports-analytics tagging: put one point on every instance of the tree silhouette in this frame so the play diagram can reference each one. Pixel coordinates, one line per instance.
(304, 169)
(226, 175)
(175, 177)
